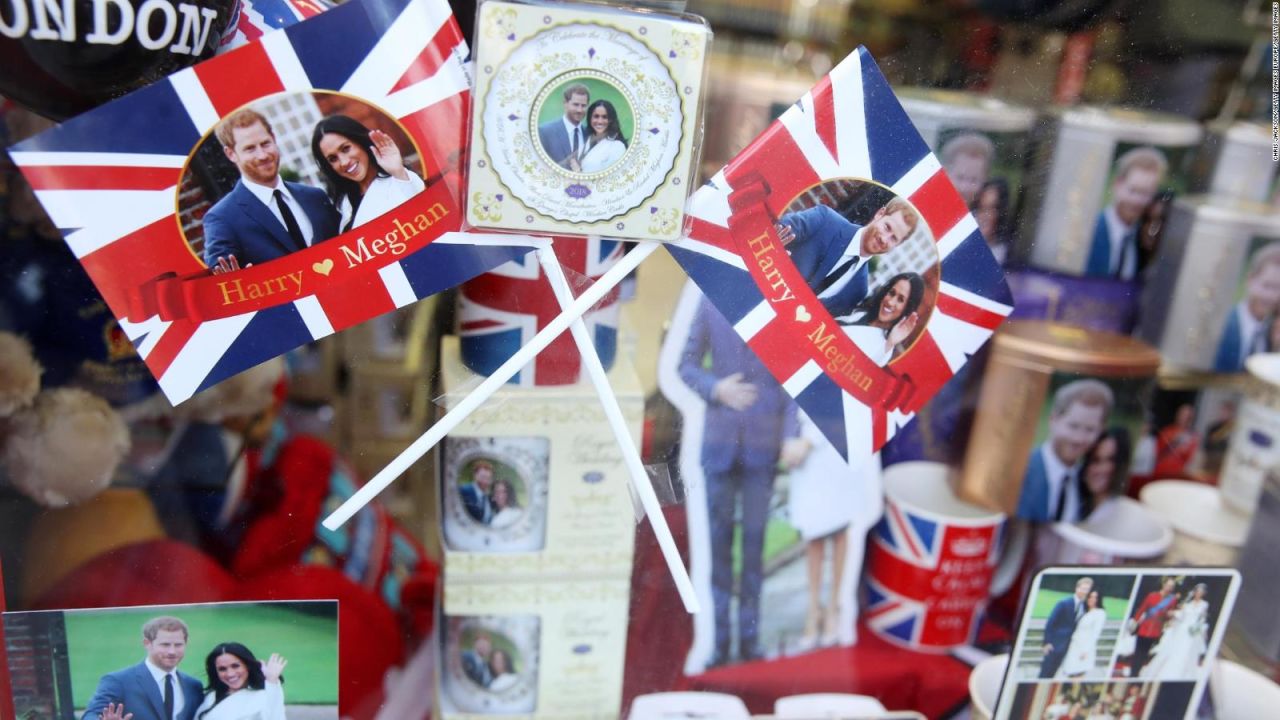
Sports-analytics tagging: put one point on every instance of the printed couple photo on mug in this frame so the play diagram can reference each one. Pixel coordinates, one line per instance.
(495, 493)
(490, 663)
(1108, 642)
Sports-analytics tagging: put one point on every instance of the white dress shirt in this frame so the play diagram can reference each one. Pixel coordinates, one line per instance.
(1056, 472)
(179, 702)
(853, 249)
(1117, 232)
(266, 195)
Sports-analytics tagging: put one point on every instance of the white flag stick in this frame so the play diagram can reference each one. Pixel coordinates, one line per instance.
(612, 411)
(488, 387)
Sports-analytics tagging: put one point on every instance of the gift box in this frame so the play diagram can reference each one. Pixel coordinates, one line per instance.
(501, 517)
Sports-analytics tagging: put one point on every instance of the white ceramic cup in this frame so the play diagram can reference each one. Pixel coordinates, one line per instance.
(1118, 531)
(1205, 530)
(1242, 694)
(984, 686)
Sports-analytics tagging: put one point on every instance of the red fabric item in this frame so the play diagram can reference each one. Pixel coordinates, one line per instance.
(661, 634)
(370, 640)
(304, 482)
(1150, 620)
(1175, 446)
(155, 572)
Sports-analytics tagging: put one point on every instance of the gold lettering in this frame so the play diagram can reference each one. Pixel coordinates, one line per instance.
(226, 297)
(358, 256)
(406, 230)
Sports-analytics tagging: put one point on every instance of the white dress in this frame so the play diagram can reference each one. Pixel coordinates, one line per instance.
(1082, 652)
(247, 704)
(1185, 639)
(506, 516)
(601, 155)
(384, 194)
(502, 682)
(825, 494)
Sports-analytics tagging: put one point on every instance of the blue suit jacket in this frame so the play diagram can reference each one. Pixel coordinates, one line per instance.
(822, 234)
(1033, 503)
(1061, 623)
(476, 503)
(1231, 348)
(140, 694)
(754, 436)
(555, 140)
(1099, 264)
(239, 224)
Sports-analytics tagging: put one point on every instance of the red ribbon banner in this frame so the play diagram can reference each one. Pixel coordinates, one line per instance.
(814, 331)
(390, 238)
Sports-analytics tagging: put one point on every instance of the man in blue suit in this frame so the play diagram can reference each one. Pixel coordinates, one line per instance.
(1247, 327)
(263, 217)
(1061, 624)
(750, 425)
(1114, 252)
(1050, 489)
(475, 494)
(563, 137)
(832, 253)
(475, 662)
(154, 689)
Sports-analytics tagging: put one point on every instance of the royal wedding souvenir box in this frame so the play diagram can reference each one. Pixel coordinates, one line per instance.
(532, 485)
(535, 650)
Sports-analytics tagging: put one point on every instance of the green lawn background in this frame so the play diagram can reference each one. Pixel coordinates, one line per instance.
(1116, 607)
(99, 642)
(553, 106)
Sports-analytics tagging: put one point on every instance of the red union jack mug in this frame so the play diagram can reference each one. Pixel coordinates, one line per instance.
(934, 560)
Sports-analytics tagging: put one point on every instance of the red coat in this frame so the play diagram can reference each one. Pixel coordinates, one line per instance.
(1150, 620)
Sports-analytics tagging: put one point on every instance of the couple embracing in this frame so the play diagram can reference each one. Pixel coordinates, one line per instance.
(240, 687)
(265, 217)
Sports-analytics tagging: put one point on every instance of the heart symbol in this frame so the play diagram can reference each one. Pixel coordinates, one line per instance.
(324, 268)
(802, 315)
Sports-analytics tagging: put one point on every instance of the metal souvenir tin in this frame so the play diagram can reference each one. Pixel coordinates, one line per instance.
(1255, 444)
(982, 144)
(1026, 357)
(1255, 614)
(934, 111)
(1070, 178)
(1235, 162)
(1201, 277)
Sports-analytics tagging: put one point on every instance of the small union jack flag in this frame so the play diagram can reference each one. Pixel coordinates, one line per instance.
(928, 581)
(501, 311)
(253, 18)
(109, 178)
(849, 126)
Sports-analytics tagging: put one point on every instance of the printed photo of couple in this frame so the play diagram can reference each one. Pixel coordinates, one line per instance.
(491, 493)
(1073, 625)
(1185, 434)
(290, 171)
(1083, 449)
(584, 125)
(488, 660)
(1127, 230)
(1253, 323)
(489, 664)
(1171, 626)
(870, 259)
(195, 662)
(986, 169)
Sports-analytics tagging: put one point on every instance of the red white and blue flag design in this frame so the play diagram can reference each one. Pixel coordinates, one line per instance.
(108, 180)
(928, 582)
(500, 311)
(254, 18)
(849, 126)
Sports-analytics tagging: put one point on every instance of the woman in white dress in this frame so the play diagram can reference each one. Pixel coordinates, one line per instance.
(364, 170)
(826, 502)
(241, 687)
(1082, 652)
(1184, 640)
(506, 508)
(504, 674)
(606, 143)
